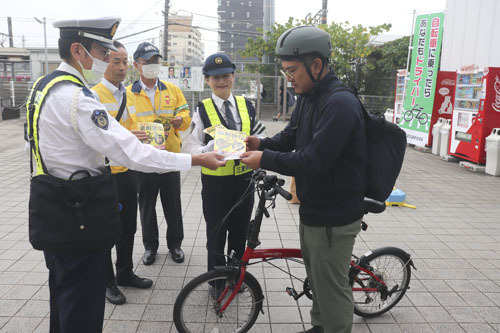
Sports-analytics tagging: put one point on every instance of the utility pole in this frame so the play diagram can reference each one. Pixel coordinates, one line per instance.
(11, 37)
(44, 22)
(165, 31)
(324, 12)
(268, 25)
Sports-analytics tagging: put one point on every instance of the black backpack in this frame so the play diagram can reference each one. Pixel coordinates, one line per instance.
(386, 147)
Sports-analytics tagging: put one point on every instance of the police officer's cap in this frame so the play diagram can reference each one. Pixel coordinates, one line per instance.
(217, 64)
(102, 30)
(145, 51)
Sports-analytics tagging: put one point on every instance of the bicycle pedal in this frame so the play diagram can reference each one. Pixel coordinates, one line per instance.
(291, 292)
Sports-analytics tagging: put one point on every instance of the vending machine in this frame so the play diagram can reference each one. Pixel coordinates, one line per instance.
(443, 98)
(476, 111)
(401, 82)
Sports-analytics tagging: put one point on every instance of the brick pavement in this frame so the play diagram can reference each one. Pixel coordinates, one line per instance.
(453, 237)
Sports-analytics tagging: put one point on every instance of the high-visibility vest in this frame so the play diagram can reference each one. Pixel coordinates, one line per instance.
(169, 102)
(231, 168)
(111, 104)
(34, 104)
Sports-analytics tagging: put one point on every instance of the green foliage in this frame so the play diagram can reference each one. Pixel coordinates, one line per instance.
(380, 73)
(350, 44)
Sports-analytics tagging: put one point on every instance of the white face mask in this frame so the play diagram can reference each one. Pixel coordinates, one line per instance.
(151, 71)
(95, 74)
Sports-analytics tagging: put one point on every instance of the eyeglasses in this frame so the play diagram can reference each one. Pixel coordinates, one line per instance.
(290, 74)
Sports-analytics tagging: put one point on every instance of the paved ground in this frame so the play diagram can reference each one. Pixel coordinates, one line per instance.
(453, 236)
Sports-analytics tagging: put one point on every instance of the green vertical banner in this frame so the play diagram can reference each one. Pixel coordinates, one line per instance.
(419, 96)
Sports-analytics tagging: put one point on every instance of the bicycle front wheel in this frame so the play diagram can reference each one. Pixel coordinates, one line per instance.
(196, 308)
(389, 264)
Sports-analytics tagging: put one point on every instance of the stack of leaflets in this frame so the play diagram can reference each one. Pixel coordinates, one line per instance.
(155, 132)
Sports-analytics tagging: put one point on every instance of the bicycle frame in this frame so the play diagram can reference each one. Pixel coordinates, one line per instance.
(268, 192)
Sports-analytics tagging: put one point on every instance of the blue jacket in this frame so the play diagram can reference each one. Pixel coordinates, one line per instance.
(327, 132)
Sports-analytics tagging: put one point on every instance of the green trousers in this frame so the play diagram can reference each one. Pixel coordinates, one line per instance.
(327, 252)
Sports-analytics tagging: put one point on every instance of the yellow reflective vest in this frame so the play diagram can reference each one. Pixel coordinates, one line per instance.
(34, 104)
(231, 168)
(169, 102)
(111, 104)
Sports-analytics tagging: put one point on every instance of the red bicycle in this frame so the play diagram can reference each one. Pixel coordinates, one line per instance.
(229, 298)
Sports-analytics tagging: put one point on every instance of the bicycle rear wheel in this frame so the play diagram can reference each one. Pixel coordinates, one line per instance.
(391, 265)
(197, 310)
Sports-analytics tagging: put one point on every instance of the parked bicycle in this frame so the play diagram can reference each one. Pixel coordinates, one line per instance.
(229, 298)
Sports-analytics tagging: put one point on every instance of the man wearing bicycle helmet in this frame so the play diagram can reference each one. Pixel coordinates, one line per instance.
(324, 147)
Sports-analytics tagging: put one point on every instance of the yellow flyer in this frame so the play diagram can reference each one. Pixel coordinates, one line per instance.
(155, 132)
(229, 143)
(211, 130)
(165, 121)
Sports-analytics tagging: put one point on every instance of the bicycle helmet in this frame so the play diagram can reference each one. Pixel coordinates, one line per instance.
(303, 40)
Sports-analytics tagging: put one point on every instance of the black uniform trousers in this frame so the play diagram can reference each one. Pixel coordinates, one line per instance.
(219, 194)
(127, 196)
(169, 187)
(77, 284)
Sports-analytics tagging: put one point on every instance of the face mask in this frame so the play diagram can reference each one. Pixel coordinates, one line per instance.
(151, 71)
(96, 72)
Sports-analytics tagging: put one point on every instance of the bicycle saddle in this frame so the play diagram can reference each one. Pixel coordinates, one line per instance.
(374, 206)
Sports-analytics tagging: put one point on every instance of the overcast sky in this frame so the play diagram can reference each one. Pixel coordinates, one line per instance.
(144, 14)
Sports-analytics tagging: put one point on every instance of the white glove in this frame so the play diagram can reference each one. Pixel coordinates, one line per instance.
(209, 147)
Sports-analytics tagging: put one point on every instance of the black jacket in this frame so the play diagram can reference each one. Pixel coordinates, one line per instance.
(327, 132)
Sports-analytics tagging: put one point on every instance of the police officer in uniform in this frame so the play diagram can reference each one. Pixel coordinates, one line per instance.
(223, 187)
(156, 100)
(73, 132)
(112, 94)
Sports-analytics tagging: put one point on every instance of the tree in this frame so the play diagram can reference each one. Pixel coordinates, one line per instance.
(350, 45)
(383, 63)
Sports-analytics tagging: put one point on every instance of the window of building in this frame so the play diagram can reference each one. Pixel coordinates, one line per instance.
(232, 14)
(249, 3)
(232, 45)
(227, 3)
(232, 24)
(189, 36)
(248, 14)
(248, 25)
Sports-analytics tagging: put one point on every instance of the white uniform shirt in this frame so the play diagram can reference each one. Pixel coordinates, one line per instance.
(196, 141)
(65, 151)
(151, 92)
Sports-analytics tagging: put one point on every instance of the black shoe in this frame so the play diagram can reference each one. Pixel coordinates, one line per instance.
(315, 329)
(149, 257)
(114, 295)
(177, 255)
(132, 280)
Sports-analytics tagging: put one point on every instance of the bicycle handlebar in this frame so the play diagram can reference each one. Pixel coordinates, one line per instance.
(271, 184)
(284, 193)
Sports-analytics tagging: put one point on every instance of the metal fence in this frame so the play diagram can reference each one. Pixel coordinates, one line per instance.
(262, 90)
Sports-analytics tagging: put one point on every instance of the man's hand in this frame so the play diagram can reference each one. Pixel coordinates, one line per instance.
(176, 122)
(253, 143)
(252, 159)
(141, 135)
(210, 160)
